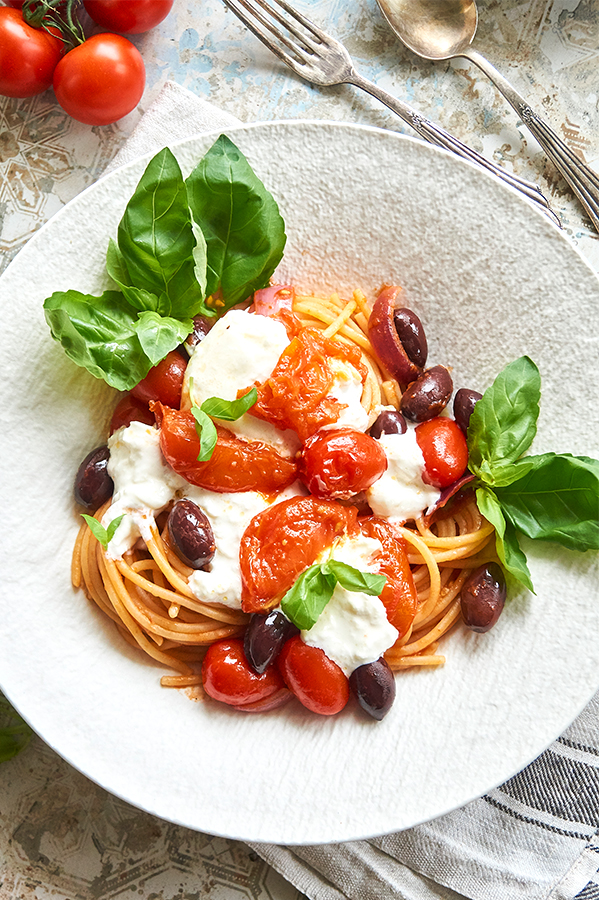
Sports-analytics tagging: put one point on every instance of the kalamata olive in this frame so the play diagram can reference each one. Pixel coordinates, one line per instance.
(388, 422)
(384, 338)
(464, 404)
(202, 326)
(191, 534)
(374, 686)
(482, 597)
(264, 638)
(93, 484)
(412, 334)
(426, 397)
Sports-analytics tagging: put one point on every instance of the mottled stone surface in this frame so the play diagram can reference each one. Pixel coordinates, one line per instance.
(61, 836)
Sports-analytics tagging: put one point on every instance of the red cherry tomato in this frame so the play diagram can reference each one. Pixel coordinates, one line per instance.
(444, 449)
(317, 682)
(283, 541)
(101, 80)
(164, 381)
(129, 409)
(128, 16)
(227, 677)
(235, 465)
(340, 463)
(399, 594)
(28, 56)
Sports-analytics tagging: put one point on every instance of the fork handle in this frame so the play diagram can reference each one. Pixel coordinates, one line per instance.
(436, 135)
(582, 179)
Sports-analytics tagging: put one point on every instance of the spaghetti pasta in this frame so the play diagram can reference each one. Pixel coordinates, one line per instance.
(147, 594)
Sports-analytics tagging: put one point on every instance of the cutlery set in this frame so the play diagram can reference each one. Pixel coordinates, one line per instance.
(433, 29)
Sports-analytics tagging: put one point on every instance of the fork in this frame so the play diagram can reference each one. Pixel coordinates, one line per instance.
(320, 59)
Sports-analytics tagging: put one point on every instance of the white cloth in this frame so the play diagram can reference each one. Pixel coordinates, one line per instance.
(533, 838)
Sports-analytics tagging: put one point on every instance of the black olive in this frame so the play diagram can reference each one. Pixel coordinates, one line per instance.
(93, 484)
(412, 335)
(388, 422)
(426, 397)
(374, 686)
(191, 534)
(482, 597)
(464, 404)
(264, 638)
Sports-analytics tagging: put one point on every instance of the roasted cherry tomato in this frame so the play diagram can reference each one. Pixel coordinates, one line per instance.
(28, 56)
(317, 682)
(283, 541)
(235, 465)
(101, 80)
(164, 381)
(297, 393)
(340, 463)
(227, 677)
(444, 449)
(129, 409)
(128, 16)
(399, 595)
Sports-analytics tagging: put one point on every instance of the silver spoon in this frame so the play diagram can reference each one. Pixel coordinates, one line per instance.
(443, 29)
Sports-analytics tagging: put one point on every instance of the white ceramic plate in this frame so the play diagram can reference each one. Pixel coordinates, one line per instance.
(492, 279)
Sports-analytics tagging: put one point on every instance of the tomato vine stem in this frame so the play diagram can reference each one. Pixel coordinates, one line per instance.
(59, 17)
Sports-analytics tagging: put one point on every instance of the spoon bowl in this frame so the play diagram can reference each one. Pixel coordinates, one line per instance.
(444, 29)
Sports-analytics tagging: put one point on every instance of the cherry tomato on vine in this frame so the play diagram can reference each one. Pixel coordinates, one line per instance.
(164, 381)
(317, 682)
(16, 4)
(101, 80)
(227, 677)
(28, 56)
(342, 462)
(128, 16)
(444, 449)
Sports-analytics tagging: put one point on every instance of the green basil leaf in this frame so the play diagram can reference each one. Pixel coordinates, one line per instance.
(507, 545)
(207, 433)
(138, 298)
(103, 535)
(556, 500)
(156, 240)
(354, 580)
(308, 597)
(229, 410)
(160, 334)
(504, 422)
(15, 733)
(240, 220)
(99, 334)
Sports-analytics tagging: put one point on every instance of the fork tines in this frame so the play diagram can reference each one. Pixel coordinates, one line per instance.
(251, 12)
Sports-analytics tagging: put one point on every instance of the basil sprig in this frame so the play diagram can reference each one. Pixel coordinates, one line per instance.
(103, 535)
(179, 242)
(313, 589)
(228, 410)
(549, 497)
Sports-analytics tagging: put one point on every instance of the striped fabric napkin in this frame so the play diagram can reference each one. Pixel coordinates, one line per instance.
(533, 838)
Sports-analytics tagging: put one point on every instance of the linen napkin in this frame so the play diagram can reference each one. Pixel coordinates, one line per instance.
(533, 838)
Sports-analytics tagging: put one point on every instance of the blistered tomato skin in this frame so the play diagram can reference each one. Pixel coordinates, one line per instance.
(227, 677)
(314, 679)
(129, 409)
(163, 382)
(338, 464)
(444, 449)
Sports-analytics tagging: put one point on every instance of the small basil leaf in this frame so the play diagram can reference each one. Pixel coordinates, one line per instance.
(160, 334)
(308, 597)
(199, 257)
(229, 410)
(555, 500)
(99, 334)
(504, 422)
(354, 580)
(110, 531)
(240, 220)
(156, 241)
(207, 433)
(15, 733)
(97, 529)
(507, 546)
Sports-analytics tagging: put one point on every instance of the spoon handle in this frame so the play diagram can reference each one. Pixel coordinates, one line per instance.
(582, 179)
(436, 135)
